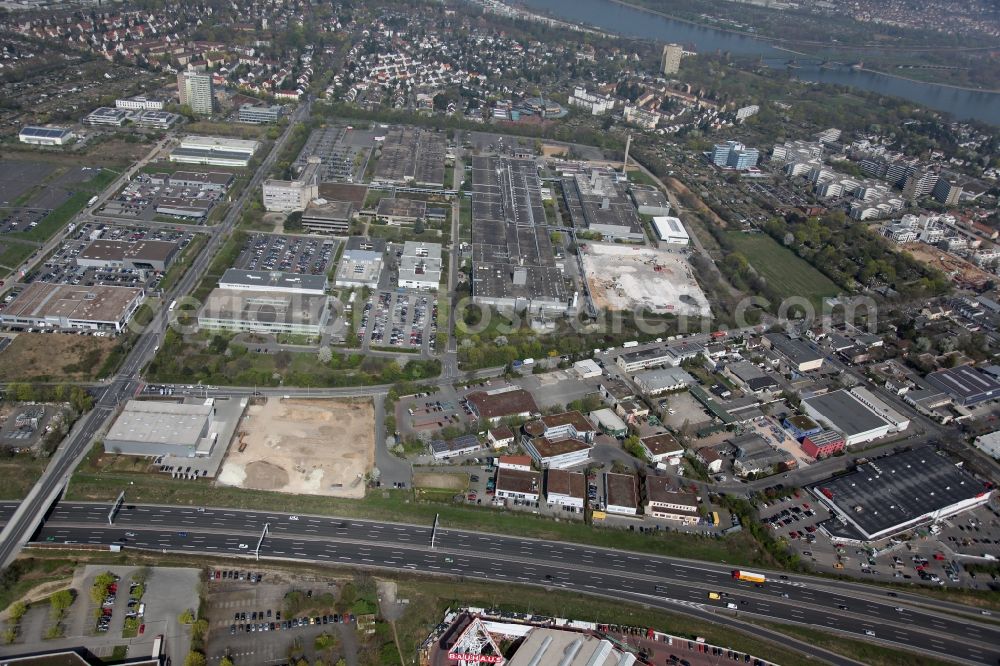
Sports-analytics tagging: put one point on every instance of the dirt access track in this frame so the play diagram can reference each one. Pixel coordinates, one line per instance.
(306, 447)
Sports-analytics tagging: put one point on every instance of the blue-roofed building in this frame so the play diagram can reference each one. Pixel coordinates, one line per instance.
(45, 136)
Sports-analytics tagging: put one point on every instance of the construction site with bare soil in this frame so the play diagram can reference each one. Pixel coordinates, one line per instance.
(303, 446)
(625, 277)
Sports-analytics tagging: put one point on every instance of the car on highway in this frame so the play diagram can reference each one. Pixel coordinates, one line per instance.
(130, 534)
(293, 517)
(243, 546)
(869, 632)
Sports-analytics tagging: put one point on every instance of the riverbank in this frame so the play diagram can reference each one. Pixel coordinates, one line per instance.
(800, 42)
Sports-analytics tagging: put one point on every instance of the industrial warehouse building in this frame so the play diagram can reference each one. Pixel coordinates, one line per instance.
(670, 230)
(967, 385)
(855, 417)
(98, 307)
(148, 428)
(565, 488)
(45, 136)
(215, 151)
(655, 382)
(150, 255)
(898, 492)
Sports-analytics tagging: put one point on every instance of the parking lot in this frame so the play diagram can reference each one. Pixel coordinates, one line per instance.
(249, 620)
(290, 254)
(21, 219)
(61, 267)
(143, 200)
(394, 319)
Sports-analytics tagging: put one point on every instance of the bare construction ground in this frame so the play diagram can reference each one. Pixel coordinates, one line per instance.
(309, 447)
(624, 277)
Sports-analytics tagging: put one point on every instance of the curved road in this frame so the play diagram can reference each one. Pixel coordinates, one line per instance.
(906, 621)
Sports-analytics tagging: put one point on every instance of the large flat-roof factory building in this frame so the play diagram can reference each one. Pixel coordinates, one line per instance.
(151, 255)
(411, 156)
(215, 150)
(855, 414)
(898, 492)
(597, 202)
(147, 428)
(97, 307)
(513, 264)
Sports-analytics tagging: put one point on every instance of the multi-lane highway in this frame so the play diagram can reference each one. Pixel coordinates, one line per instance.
(903, 621)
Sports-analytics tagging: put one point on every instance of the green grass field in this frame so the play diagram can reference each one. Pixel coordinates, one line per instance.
(12, 254)
(783, 270)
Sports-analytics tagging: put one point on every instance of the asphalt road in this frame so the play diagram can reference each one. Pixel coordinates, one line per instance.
(907, 621)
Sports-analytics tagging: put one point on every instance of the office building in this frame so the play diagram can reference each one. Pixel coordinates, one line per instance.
(898, 492)
(734, 155)
(667, 500)
(215, 151)
(498, 404)
(563, 488)
(243, 310)
(361, 263)
(328, 217)
(662, 447)
(259, 115)
(195, 90)
(148, 428)
(96, 308)
(823, 444)
(274, 281)
(106, 115)
(516, 484)
(621, 494)
(420, 265)
(45, 136)
(140, 103)
(286, 196)
(670, 60)
(557, 453)
(156, 119)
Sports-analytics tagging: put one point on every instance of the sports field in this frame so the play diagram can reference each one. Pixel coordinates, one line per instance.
(785, 271)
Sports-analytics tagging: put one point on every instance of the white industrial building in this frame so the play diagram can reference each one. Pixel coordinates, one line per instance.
(663, 380)
(845, 412)
(670, 230)
(215, 150)
(420, 265)
(153, 428)
(989, 444)
(587, 368)
(45, 136)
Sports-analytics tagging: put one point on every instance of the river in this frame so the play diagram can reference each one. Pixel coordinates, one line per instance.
(632, 22)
